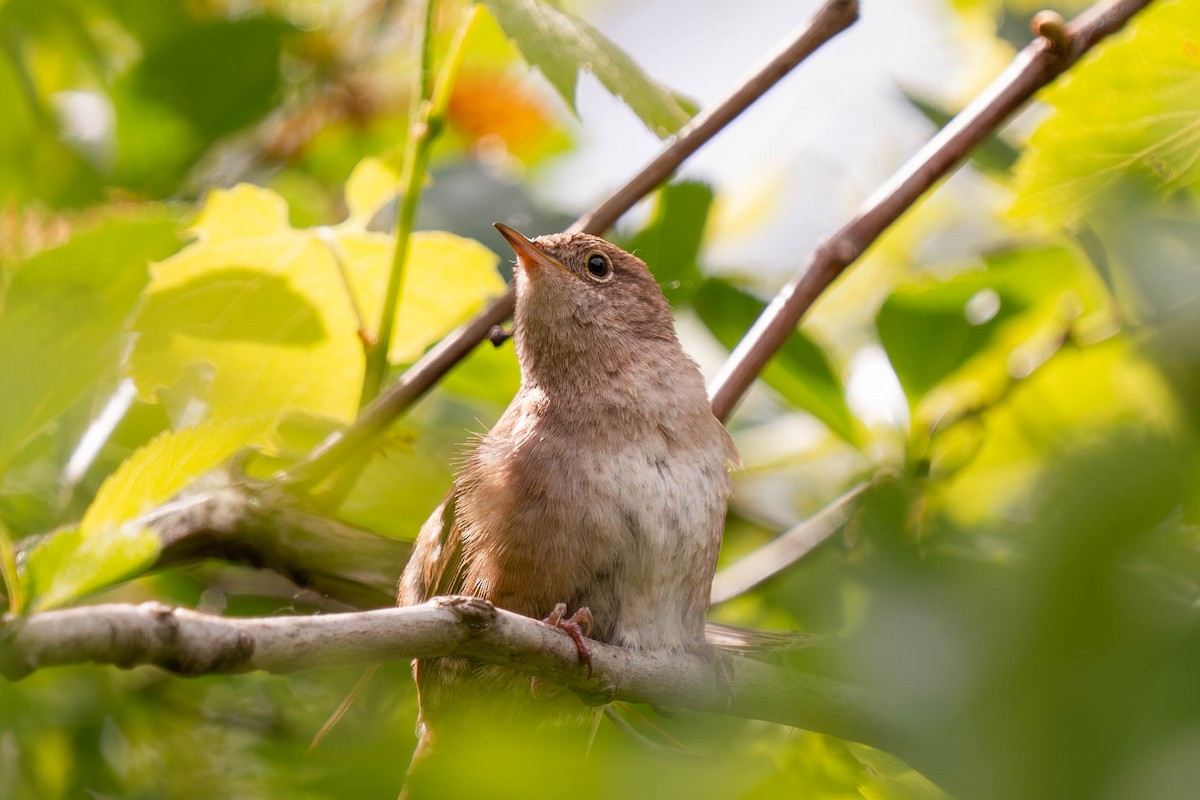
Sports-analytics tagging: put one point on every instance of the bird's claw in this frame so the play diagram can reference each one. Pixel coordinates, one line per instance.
(578, 626)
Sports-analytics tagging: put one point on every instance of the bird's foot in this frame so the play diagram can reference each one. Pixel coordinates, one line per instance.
(578, 626)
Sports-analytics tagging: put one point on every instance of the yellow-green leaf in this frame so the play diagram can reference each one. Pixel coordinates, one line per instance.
(264, 312)
(160, 469)
(447, 279)
(371, 185)
(67, 564)
(1131, 112)
(114, 541)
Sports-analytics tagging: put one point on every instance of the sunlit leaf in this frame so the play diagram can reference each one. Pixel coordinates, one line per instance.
(112, 542)
(560, 45)
(447, 278)
(1132, 111)
(62, 316)
(800, 371)
(14, 593)
(159, 470)
(370, 185)
(269, 315)
(67, 565)
(1079, 392)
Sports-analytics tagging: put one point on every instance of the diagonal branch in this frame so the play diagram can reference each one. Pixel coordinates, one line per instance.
(1055, 50)
(832, 18)
(191, 643)
(785, 549)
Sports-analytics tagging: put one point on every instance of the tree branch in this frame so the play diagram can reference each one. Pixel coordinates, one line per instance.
(191, 643)
(785, 549)
(832, 18)
(1043, 60)
(228, 516)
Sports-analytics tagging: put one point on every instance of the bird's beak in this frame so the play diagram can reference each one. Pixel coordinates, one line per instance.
(529, 255)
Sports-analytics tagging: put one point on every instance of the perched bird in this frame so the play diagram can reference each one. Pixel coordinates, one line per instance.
(603, 486)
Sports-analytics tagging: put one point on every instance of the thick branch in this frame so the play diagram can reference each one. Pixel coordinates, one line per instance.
(191, 643)
(1047, 57)
(246, 521)
(834, 17)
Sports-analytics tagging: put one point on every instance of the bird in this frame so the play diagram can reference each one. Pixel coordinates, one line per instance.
(597, 501)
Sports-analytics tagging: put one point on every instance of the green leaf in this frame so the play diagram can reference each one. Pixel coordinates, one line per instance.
(670, 243)
(67, 565)
(63, 315)
(35, 164)
(159, 470)
(956, 343)
(191, 88)
(560, 45)
(14, 593)
(1130, 112)
(263, 318)
(113, 542)
(800, 371)
(993, 155)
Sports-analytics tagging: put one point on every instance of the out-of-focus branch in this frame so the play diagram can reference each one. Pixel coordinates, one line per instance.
(1055, 49)
(192, 643)
(234, 518)
(785, 549)
(832, 18)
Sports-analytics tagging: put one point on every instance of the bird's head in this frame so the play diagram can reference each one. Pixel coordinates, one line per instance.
(584, 303)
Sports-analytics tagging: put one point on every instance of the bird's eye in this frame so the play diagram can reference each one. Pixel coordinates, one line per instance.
(598, 267)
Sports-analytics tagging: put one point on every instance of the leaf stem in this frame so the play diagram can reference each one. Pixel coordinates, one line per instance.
(431, 97)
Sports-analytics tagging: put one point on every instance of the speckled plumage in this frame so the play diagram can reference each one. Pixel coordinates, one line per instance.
(604, 483)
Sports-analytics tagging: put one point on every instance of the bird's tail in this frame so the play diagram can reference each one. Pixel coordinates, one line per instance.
(420, 755)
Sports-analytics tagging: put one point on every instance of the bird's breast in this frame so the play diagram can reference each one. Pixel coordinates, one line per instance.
(629, 526)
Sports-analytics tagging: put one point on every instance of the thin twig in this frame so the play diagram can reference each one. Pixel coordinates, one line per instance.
(192, 643)
(784, 550)
(1044, 59)
(834, 17)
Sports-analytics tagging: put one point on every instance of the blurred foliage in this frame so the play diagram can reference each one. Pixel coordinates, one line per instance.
(1141, 97)
(193, 247)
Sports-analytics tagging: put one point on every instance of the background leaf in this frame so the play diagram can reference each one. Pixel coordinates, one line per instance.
(800, 371)
(62, 317)
(68, 565)
(972, 333)
(190, 88)
(560, 45)
(670, 242)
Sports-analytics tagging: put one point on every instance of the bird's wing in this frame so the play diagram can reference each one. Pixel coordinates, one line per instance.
(435, 567)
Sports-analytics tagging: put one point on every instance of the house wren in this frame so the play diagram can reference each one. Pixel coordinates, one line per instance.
(602, 487)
